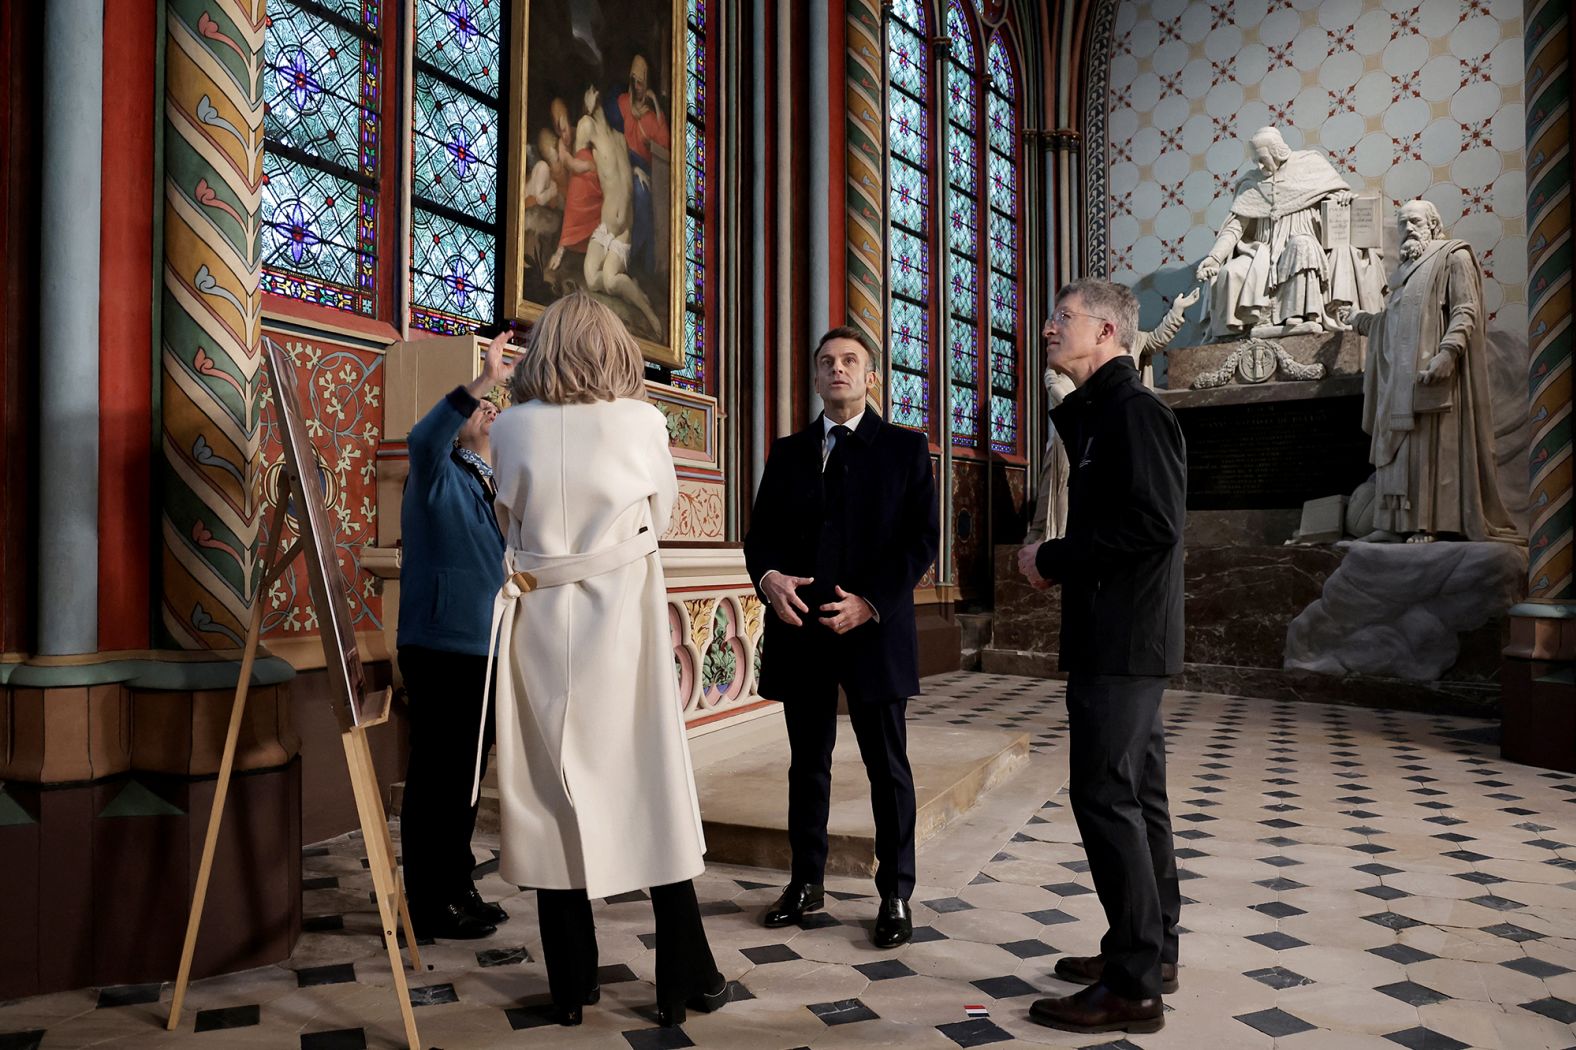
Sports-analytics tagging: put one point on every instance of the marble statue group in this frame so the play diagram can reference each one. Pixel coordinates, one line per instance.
(1278, 268)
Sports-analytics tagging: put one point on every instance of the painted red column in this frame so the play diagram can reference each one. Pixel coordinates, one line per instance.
(126, 327)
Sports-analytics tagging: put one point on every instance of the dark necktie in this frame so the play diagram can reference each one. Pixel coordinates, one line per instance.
(835, 469)
(829, 549)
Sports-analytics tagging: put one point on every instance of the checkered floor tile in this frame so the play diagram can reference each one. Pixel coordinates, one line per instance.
(1352, 878)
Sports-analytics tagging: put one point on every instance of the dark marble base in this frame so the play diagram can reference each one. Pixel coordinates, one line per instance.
(1240, 600)
(1239, 603)
(1241, 528)
(1264, 683)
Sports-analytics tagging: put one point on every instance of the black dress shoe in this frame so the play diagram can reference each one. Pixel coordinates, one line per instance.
(450, 922)
(705, 1002)
(1098, 1009)
(569, 1016)
(483, 911)
(797, 899)
(894, 923)
(1086, 969)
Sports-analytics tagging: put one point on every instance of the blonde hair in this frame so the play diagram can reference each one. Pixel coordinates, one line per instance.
(578, 352)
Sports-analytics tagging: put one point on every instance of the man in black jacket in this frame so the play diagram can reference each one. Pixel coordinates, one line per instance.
(844, 526)
(1120, 570)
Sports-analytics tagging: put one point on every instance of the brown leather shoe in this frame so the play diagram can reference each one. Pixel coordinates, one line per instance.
(1086, 969)
(1098, 1009)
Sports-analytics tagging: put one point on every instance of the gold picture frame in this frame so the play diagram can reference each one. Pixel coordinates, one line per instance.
(531, 283)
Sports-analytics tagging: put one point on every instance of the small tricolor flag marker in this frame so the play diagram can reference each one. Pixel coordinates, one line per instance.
(976, 1011)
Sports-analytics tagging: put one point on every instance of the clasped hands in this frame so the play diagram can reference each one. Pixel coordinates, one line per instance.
(842, 616)
(1030, 570)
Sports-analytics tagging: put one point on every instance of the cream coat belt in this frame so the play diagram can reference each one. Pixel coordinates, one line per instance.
(532, 572)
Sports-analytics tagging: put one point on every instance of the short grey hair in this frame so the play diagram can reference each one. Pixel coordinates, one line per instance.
(1111, 302)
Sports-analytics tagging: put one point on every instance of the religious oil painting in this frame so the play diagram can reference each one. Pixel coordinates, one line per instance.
(594, 203)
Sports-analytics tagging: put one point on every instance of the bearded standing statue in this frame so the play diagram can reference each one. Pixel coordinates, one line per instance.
(1426, 394)
(1269, 272)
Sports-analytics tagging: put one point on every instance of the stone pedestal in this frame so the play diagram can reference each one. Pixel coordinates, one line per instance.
(1340, 353)
(744, 798)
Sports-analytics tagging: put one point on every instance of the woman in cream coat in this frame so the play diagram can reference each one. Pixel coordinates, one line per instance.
(594, 778)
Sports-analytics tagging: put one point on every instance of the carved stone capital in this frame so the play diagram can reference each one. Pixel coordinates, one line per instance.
(1062, 140)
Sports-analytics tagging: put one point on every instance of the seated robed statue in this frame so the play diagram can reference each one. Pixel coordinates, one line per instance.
(1269, 271)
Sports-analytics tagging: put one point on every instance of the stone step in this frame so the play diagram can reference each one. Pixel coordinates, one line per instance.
(744, 799)
(744, 791)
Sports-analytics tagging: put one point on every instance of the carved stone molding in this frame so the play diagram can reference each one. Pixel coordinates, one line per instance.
(1256, 361)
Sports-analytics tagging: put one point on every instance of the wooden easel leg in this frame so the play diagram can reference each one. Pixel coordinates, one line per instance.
(380, 861)
(369, 776)
(404, 917)
(226, 768)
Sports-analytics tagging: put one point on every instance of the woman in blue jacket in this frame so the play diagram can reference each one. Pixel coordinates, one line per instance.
(451, 568)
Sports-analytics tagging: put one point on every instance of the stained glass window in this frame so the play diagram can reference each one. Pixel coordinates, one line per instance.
(695, 373)
(322, 103)
(455, 142)
(1005, 278)
(963, 263)
(909, 220)
(963, 241)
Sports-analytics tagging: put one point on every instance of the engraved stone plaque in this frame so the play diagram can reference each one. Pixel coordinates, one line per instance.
(1270, 453)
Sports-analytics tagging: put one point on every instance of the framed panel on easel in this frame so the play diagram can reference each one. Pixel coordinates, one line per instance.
(302, 497)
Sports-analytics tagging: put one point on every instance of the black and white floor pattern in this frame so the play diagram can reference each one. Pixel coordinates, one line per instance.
(1354, 880)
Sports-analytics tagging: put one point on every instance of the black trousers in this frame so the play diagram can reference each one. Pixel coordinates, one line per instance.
(882, 733)
(684, 963)
(444, 691)
(1117, 744)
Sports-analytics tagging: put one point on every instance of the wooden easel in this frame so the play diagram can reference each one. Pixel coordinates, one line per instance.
(355, 715)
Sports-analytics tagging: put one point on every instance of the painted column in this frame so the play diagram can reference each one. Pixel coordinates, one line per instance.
(1549, 302)
(783, 395)
(946, 563)
(759, 440)
(865, 133)
(68, 409)
(1538, 719)
(820, 249)
(209, 360)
